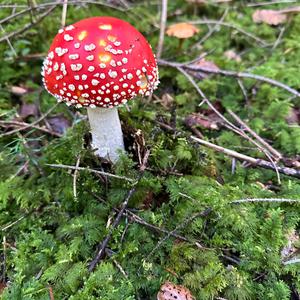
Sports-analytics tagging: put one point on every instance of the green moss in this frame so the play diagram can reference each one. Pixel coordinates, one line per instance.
(51, 235)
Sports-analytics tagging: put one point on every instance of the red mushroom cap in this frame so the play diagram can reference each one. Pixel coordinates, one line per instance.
(100, 61)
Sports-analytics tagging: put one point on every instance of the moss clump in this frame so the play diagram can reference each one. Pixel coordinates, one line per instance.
(50, 233)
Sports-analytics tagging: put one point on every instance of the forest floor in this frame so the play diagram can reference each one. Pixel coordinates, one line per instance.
(212, 168)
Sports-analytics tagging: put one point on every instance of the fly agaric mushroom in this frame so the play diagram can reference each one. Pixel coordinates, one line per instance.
(100, 63)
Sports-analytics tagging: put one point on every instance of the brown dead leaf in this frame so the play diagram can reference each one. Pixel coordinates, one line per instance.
(171, 291)
(207, 64)
(28, 110)
(197, 119)
(59, 123)
(182, 30)
(232, 55)
(269, 16)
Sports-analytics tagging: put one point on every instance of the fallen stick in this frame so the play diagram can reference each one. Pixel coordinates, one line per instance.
(254, 161)
(103, 244)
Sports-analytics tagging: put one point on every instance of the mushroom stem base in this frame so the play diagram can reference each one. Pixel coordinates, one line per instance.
(107, 137)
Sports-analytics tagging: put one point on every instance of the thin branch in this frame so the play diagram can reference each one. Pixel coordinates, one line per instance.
(276, 153)
(102, 246)
(225, 24)
(270, 3)
(120, 268)
(9, 43)
(4, 256)
(231, 126)
(23, 125)
(182, 225)
(89, 170)
(231, 74)
(212, 30)
(292, 261)
(15, 15)
(27, 26)
(279, 38)
(32, 125)
(254, 161)
(227, 122)
(251, 200)
(45, 5)
(64, 13)
(139, 220)
(75, 175)
(205, 100)
(13, 223)
(244, 91)
(163, 20)
(31, 5)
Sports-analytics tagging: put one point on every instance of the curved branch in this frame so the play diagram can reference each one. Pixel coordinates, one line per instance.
(235, 74)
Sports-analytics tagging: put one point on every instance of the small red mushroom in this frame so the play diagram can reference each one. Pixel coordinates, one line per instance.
(100, 63)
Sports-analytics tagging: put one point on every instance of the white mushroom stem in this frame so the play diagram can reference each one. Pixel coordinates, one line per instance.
(107, 137)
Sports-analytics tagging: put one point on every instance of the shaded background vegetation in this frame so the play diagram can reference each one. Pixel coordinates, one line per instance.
(50, 233)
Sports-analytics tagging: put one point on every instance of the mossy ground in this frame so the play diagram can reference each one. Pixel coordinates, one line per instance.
(55, 235)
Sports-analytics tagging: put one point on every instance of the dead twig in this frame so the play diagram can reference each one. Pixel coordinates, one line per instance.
(64, 13)
(227, 122)
(23, 125)
(4, 259)
(31, 5)
(182, 225)
(230, 125)
(225, 24)
(90, 170)
(27, 26)
(235, 74)
(276, 153)
(270, 3)
(244, 91)
(139, 220)
(163, 20)
(102, 246)
(13, 223)
(253, 161)
(211, 30)
(30, 125)
(251, 200)
(292, 261)
(75, 178)
(120, 268)
(45, 5)
(9, 43)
